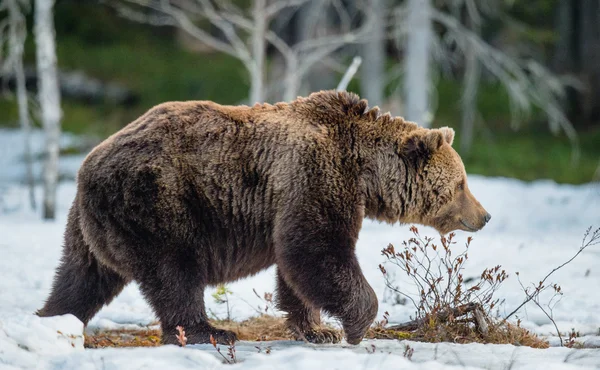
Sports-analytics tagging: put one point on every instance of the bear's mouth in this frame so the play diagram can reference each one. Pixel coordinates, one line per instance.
(467, 226)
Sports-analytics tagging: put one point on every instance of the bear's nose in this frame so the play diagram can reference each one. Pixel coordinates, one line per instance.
(487, 217)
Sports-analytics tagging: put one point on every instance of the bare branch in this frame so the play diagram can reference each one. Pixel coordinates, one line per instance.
(140, 17)
(227, 28)
(533, 298)
(352, 69)
(594, 238)
(276, 7)
(542, 88)
(182, 21)
(271, 36)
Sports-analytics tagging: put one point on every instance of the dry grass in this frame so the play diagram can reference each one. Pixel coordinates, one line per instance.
(123, 338)
(447, 308)
(380, 332)
(458, 332)
(266, 328)
(260, 328)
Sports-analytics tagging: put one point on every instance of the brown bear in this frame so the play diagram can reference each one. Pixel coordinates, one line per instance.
(194, 194)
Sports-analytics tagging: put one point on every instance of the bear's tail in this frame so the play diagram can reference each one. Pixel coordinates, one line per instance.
(81, 284)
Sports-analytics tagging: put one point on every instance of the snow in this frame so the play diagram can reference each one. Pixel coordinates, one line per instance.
(534, 228)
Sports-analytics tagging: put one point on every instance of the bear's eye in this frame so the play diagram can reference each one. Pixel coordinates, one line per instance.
(460, 186)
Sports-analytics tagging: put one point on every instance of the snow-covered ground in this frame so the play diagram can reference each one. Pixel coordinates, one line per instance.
(534, 228)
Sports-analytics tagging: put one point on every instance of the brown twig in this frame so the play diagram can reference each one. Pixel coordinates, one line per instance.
(595, 239)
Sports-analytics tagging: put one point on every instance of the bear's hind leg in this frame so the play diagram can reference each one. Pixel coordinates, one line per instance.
(177, 297)
(82, 285)
(302, 320)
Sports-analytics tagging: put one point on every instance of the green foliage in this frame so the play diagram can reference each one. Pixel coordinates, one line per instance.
(220, 295)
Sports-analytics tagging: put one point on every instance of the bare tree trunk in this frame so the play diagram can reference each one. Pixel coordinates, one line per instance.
(590, 59)
(18, 34)
(49, 97)
(417, 75)
(26, 126)
(314, 21)
(373, 54)
(469, 101)
(469, 96)
(258, 51)
(563, 61)
(292, 79)
(565, 52)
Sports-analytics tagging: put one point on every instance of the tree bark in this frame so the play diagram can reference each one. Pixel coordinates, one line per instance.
(18, 34)
(258, 51)
(563, 50)
(417, 77)
(577, 52)
(373, 55)
(590, 59)
(49, 97)
(292, 79)
(314, 22)
(469, 97)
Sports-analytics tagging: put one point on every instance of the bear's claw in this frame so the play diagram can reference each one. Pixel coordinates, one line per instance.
(321, 336)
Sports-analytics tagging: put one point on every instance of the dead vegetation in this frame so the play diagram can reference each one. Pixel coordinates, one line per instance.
(123, 338)
(447, 309)
(260, 328)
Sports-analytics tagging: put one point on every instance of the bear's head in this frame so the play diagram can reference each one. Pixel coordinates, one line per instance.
(434, 190)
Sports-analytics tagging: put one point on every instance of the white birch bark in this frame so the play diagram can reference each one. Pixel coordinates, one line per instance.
(258, 51)
(469, 100)
(49, 98)
(292, 79)
(470, 88)
(373, 55)
(417, 62)
(17, 36)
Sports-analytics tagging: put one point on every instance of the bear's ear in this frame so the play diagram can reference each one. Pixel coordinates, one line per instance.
(423, 142)
(448, 134)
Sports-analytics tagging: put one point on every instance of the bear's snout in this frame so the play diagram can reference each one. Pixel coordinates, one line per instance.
(470, 214)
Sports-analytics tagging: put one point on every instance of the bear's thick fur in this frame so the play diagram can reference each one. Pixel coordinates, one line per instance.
(193, 194)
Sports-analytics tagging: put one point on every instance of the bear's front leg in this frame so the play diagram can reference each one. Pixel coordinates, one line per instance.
(316, 258)
(303, 320)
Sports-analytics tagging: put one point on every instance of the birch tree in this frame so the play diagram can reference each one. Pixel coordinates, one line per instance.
(417, 62)
(374, 55)
(49, 98)
(471, 77)
(246, 35)
(301, 57)
(14, 29)
(259, 47)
